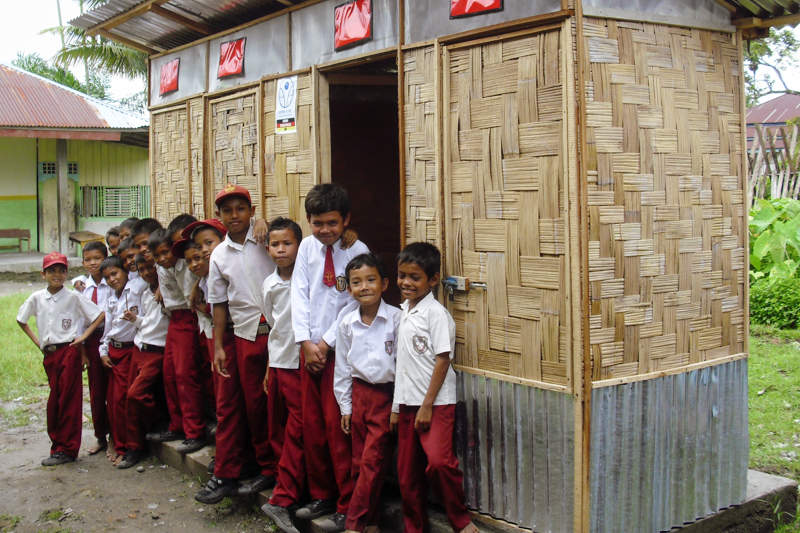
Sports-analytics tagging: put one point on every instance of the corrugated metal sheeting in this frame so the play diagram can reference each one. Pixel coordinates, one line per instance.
(516, 445)
(669, 450)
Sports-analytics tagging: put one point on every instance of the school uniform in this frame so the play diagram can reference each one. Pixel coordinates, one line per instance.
(236, 273)
(284, 400)
(59, 319)
(205, 324)
(315, 307)
(423, 332)
(117, 345)
(145, 372)
(97, 374)
(363, 385)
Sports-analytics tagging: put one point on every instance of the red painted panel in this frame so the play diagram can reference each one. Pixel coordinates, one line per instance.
(352, 24)
(231, 58)
(169, 76)
(465, 8)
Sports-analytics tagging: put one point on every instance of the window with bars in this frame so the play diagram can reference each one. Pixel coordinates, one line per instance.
(126, 202)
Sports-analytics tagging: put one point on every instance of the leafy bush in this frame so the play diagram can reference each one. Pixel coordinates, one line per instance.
(774, 239)
(776, 302)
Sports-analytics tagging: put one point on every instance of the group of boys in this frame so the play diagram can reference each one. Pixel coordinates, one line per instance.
(280, 349)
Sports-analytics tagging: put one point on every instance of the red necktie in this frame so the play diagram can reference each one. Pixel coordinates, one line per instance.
(329, 275)
(94, 295)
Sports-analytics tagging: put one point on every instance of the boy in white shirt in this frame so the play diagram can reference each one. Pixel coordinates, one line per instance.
(364, 384)
(423, 410)
(59, 315)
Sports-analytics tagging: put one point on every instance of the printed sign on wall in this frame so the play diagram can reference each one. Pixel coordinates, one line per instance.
(231, 58)
(352, 24)
(467, 8)
(169, 77)
(286, 106)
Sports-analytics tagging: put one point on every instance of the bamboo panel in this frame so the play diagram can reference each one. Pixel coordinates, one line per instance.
(196, 155)
(506, 202)
(169, 160)
(666, 216)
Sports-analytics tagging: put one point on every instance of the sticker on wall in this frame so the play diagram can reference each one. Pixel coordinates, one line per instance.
(169, 77)
(286, 106)
(352, 24)
(467, 8)
(231, 58)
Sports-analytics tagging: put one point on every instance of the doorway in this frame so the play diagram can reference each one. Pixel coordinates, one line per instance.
(365, 158)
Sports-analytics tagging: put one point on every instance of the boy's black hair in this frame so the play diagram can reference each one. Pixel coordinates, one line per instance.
(95, 245)
(128, 223)
(145, 225)
(191, 244)
(157, 238)
(204, 227)
(140, 258)
(113, 261)
(124, 244)
(279, 223)
(112, 232)
(423, 254)
(368, 259)
(180, 222)
(326, 197)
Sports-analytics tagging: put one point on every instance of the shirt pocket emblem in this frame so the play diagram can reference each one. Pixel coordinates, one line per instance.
(66, 323)
(420, 344)
(388, 345)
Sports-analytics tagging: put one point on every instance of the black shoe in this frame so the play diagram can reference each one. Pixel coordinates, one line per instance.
(215, 490)
(315, 509)
(332, 524)
(131, 458)
(165, 436)
(210, 467)
(256, 485)
(57, 458)
(190, 445)
(281, 517)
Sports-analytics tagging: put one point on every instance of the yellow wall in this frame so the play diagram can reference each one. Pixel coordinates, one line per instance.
(102, 163)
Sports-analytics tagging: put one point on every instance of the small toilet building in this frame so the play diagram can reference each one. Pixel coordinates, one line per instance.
(580, 163)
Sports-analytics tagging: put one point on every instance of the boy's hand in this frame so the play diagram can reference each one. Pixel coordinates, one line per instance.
(106, 361)
(349, 236)
(393, 422)
(260, 230)
(346, 424)
(129, 315)
(422, 422)
(220, 360)
(266, 379)
(157, 296)
(84, 358)
(315, 361)
(79, 286)
(196, 298)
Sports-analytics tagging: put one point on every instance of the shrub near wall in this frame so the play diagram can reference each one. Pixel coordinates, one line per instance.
(776, 302)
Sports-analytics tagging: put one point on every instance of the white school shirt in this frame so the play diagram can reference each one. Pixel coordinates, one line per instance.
(103, 291)
(315, 306)
(60, 317)
(151, 322)
(176, 285)
(205, 321)
(283, 351)
(236, 273)
(366, 352)
(117, 328)
(424, 331)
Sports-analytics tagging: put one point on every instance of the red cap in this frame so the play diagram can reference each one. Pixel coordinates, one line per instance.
(213, 222)
(179, 247)
(232, 190)
(54, 258)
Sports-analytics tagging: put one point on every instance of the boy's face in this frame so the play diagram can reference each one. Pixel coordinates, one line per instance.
(235, 213)
(197, 263)
(116, 278)
(147, 271)
(282, 246)
(124, 233)
(366, 285)
(91, 262)
(55, 276)
(113, 243)
(127, 256)
(140, 243)
(163, 256)
(413, 283)
(328, 227)
(208, 239)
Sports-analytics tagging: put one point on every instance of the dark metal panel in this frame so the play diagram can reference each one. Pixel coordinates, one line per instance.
(698, 13)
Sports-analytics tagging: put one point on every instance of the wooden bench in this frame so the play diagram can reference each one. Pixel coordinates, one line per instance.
(19, 234)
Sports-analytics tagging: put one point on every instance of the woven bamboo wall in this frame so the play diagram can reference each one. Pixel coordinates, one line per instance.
(665, 194)
(506, 205)
(423, 220)
(233, 148)
(169, 164)
(196, 154)
(289, 158)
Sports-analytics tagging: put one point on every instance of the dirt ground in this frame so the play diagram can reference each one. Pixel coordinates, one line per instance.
(92, 496)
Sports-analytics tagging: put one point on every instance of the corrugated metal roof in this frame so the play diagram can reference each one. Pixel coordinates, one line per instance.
(30, 101)
(776, 111)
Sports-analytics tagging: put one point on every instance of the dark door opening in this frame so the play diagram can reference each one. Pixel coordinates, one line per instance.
(365, 160)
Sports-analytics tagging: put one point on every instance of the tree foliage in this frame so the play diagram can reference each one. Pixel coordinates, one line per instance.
(98, 85)
(765, 61)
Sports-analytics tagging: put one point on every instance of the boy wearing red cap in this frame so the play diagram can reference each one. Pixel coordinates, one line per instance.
(59, 315)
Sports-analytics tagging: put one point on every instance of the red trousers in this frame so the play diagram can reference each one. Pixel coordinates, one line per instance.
(232, 451)
(442, 471)
(370, 435)
(171, 387)
(284, 388)
(326, 448)
(182, 347)
(251, 360)
(117, 396)
(205, 360)
(98, 385)
(64, 405)
(145, 375)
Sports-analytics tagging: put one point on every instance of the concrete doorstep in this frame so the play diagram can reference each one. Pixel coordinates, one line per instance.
(771, 501)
